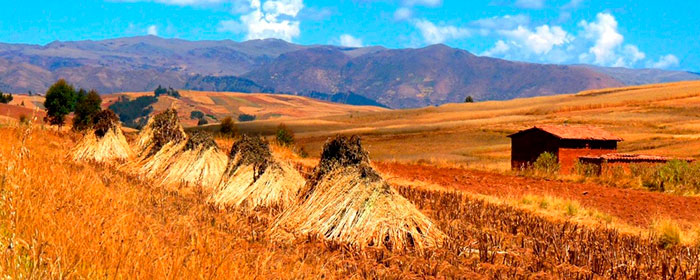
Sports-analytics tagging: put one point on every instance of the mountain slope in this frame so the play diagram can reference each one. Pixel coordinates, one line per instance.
(419, 77)
(397, 78)
(633, 77)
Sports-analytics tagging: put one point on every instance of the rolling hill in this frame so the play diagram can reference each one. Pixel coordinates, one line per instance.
(397, 78)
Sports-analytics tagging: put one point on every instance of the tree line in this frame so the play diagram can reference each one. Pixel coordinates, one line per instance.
(62, 99)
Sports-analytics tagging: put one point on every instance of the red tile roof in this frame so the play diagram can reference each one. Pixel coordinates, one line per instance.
(575, 132)
(617, 157)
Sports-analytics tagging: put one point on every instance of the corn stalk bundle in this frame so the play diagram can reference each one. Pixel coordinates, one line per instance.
(105, 144)
(347, 201)
(254, 178)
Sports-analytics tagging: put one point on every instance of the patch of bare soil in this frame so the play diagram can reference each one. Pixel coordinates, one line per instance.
(635, 207)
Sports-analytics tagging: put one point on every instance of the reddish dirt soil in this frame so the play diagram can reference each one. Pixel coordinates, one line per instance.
(635, 207)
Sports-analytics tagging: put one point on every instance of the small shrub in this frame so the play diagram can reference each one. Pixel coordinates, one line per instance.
(667, 233)
(546, 164)
(246, 118)
(5, 98)
(303, 153)
(196, 115)
(202, 121)
(228, 127)
(23, 119)
(469, 99)
(572, 208)
(586, 169)
(284, 136)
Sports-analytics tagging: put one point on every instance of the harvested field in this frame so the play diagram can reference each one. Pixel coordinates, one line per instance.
(125, 227)
(636, 207)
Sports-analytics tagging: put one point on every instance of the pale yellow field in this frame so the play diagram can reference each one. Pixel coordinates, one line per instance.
(661, 119)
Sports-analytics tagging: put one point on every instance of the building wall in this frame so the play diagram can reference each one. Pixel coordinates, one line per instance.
(568, 157)
(526, 147)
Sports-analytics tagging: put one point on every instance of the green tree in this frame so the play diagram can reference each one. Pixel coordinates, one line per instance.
(469, 99)
(202, 121)
(88, 105)
(5, 98)
(60, 101)
(228, 127)
(285, 136)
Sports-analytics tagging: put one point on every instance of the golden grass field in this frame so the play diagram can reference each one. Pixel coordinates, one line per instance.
(66, 219)
(73, 220)
(263, 106)
(661, 119)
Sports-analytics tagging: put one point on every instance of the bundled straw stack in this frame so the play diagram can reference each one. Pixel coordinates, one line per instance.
(199, 162)
(106, 143)
(157, 143)
(347, 201)
(172, 158)
(255, 179)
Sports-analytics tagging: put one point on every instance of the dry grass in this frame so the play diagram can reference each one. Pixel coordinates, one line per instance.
(66, 219)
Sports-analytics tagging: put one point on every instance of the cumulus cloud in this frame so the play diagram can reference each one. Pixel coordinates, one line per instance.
(597, 42)
(403, 13)
(269, 19)
(434, 34)
(530, 4)
(152, 30)
(507, 22)
(539, 41)
(348, 40)
(664, 62)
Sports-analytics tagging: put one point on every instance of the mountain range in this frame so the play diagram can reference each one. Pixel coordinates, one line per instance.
(397, 78)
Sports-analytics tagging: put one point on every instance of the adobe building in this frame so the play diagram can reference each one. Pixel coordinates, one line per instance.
(624, 160)
(567, 143)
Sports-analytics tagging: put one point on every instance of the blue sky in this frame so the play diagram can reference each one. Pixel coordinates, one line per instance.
(636, 34)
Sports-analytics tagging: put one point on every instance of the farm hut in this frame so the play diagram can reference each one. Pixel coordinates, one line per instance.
(567, 143)
(105, 143)
(346, 201)
(600, 162)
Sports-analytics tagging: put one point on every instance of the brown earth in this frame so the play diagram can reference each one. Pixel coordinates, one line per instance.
(635, 207)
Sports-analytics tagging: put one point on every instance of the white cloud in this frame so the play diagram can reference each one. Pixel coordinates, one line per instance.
(270, 19)
(540, 41)
(573, 4)
(434, 34)
(530, 4)
(666, 61)
(487, 25)
(348, 40)
(500, 48)
(152, 30)
(403, 13)
(607, 38)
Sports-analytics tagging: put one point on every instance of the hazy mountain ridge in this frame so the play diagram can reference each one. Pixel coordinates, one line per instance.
(396, 77)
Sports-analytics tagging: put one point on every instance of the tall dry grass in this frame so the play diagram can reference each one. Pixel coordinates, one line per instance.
(60, 219)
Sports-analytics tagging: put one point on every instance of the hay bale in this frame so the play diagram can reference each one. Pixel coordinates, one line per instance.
(199, 162)
(347, 201)
(255, 179)
(162, 129)
(105, 144)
